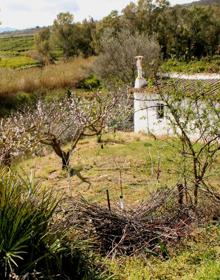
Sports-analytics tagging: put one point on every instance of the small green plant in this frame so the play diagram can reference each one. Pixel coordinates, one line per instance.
(23, 98)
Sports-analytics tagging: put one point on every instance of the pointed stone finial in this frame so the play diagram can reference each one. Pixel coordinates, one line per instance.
(140, 81)
(139, 59)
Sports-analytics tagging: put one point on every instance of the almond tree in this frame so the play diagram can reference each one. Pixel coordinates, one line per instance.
(193, 111)
(17, 137)
(58, 122)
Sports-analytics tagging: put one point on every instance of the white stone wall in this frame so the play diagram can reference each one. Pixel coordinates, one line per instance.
(145, 115)
(146, 118)
(145, 107)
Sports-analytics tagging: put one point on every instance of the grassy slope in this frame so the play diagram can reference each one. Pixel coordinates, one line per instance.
(123, 151)
(137, 157)
(198, 258)
(19, 87)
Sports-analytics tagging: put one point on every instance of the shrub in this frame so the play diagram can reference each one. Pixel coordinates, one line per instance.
(92, 82)
(194, 66)
(24, 217)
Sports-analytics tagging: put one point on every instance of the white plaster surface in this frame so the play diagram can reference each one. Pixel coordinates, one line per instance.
(198, 76)
(140, 83)
(145, 115)
(145, 106)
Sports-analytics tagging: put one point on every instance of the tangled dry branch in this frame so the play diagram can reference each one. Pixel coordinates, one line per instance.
(151, 227)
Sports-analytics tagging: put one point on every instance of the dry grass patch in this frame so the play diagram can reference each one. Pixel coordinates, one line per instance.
(50, 77)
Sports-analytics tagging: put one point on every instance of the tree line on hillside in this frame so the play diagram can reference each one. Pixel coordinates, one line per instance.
(183, 31)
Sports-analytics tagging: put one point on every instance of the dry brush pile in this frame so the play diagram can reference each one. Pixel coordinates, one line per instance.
(150, 228)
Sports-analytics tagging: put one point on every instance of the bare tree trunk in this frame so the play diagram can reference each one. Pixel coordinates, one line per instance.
(196, 189)
(180, 188)
(65, 160)
(65, 156)
(7, 159)
(99, 137)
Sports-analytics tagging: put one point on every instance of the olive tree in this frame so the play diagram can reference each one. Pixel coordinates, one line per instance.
(117, 59)
(65, 34)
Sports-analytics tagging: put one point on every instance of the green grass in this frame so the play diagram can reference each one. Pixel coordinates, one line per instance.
(194, 66)
(123, 151)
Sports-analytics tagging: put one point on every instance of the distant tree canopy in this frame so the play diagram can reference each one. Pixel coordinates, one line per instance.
(65, 34)
(189, 32)
(71, 38)
(183, 31)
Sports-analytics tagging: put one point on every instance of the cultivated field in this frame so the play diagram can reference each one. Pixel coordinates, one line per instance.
(14, 52)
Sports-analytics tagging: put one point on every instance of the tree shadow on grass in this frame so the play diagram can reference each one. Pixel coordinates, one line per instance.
(74, 172)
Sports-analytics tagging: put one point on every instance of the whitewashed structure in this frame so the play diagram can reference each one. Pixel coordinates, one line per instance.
(150, 114)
